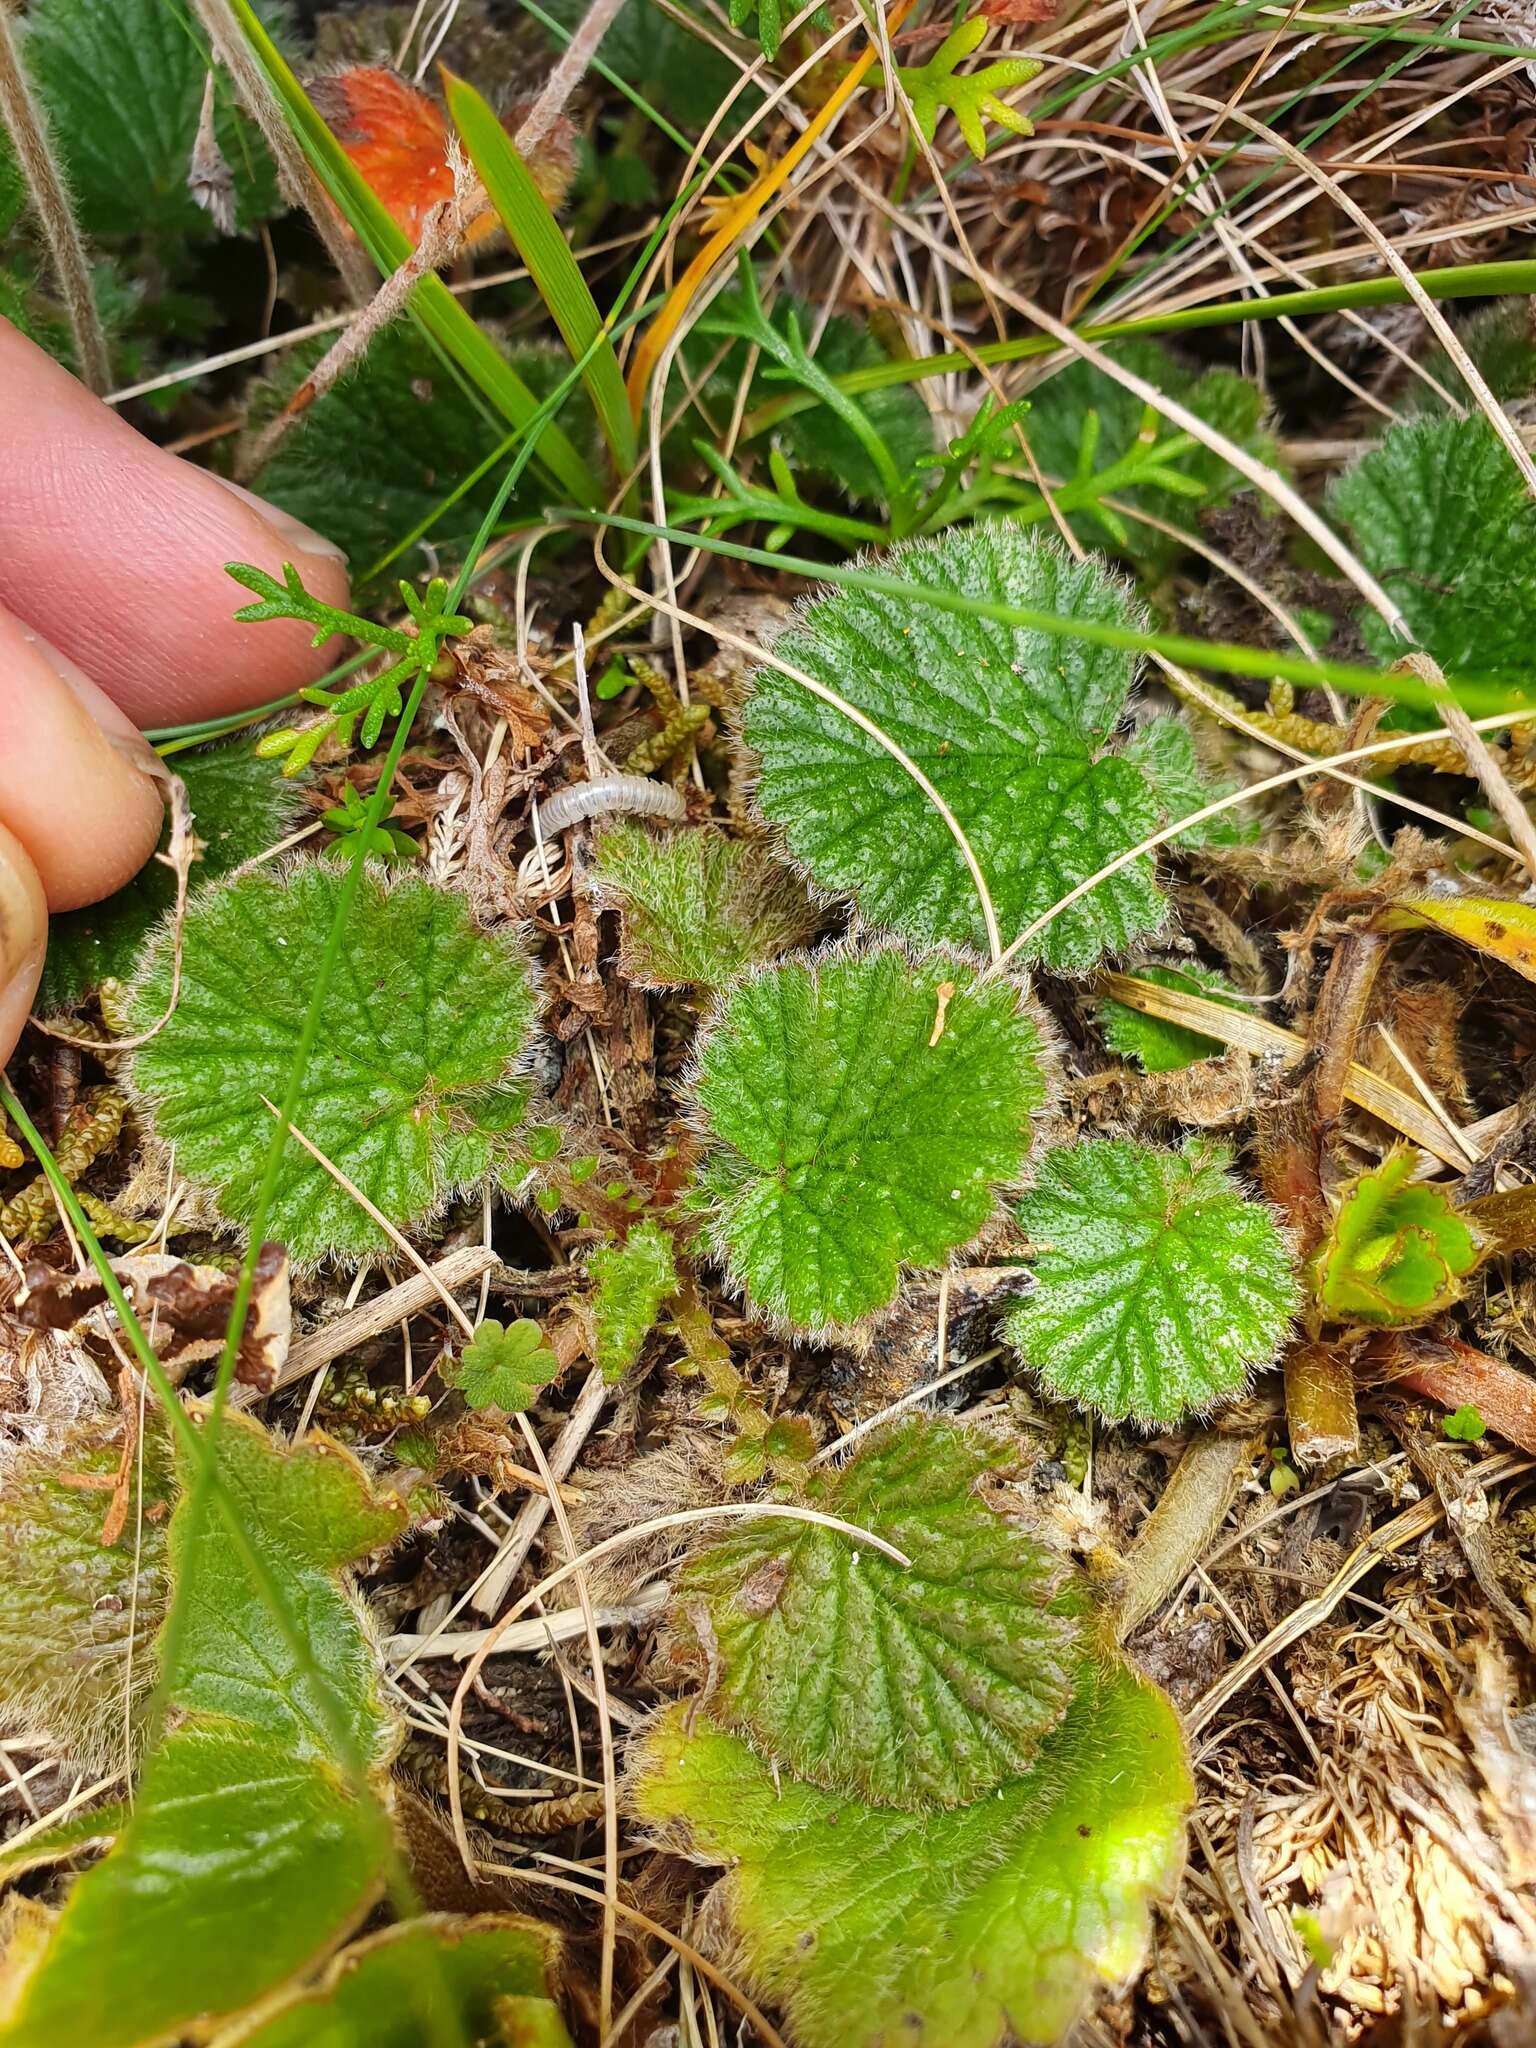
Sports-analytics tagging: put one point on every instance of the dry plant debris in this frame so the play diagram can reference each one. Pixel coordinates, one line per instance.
(811, 1315)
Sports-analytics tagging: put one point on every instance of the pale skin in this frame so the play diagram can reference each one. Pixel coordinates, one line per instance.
(115, 613)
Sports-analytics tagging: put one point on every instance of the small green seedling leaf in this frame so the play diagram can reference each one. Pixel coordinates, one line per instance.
(972, 96)
(504, 1367)
(488, 1980)
(697, 907)
(1464, 1425)
(411, 1089)
(1160, 1285)
(1441, 516)
(1014, 728)
(241, 805)
(78, 1616)
(1310, 1933)
(860, 1113)
(971, 1927)
(630, 1282)
(243, 1802)
(349, 821)
(1396, 1252)
(913, 1687)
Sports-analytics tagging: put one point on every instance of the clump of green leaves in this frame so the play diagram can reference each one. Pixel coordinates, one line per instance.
(1464, 1425)
(412, 1088)
(349, 821)
(1396, 1252)
(1014, 727)
(630, 1282)
(241, 805)
(379, 696)
(1159, 1285)
(859, 1114)
(942, 1804)
(503, 1366)
(696, 907)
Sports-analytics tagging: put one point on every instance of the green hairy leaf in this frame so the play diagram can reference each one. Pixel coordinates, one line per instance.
(847, 1135)
(1159, 1285)
(379, 453)
(1079, 408)
(123, 89)
(1157, 1046)
(1438, 512)
(912, 1688)
(411, 1089)
(504, 1367)
(696, 907)
(630, 1282)
(78, 1616)
(1012, 727)
(892, 1921)
(1499, 340)
(1164, 750)
(241, 806)
(1396, 1253)
(244, 1790)
(471, 1975)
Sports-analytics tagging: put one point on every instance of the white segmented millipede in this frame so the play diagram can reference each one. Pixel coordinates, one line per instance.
(607, 795)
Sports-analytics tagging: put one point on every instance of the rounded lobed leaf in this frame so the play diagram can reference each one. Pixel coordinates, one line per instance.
(980, 1926)
(1160, 1285)
(910, 1687)
(860, 1112)
(410, 1088)
(1440, 514)
(1012, 727)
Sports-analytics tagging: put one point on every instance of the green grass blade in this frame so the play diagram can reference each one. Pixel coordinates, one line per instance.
(432, 304)
(1514, 279)
(1481, 696)
(539, 240)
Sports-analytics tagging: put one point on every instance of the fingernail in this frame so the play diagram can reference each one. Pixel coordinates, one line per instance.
(18, 924)
(288, 529)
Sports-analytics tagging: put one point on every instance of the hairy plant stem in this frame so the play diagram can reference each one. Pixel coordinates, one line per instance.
(566, 76)
(39, 168)
(297, 181)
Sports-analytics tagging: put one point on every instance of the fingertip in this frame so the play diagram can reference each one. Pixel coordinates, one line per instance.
(116, 552)
(23, 939)
(75, 786)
